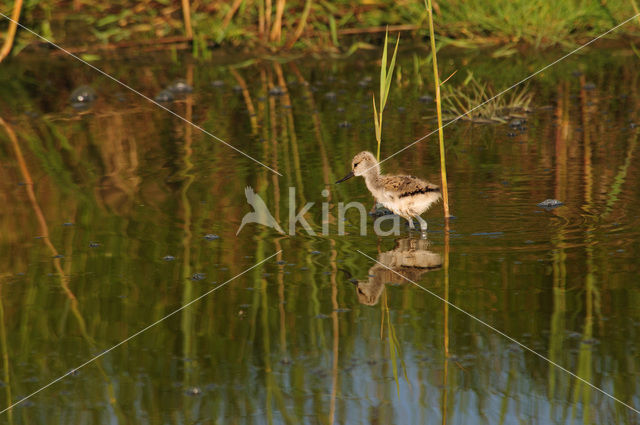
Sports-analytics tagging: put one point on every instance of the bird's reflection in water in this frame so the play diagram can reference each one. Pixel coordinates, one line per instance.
(410, 258)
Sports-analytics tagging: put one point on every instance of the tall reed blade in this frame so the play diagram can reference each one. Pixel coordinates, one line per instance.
(186, 16)
(11, 32)
(443, 165)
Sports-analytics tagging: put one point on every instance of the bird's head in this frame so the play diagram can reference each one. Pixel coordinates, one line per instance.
(362, 163)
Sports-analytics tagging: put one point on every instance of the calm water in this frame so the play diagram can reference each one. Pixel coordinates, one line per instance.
(118, 187)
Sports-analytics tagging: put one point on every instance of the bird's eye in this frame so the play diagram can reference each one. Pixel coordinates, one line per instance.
(356, 164)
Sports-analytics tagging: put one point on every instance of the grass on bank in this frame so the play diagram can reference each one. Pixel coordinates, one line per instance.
(307, 25)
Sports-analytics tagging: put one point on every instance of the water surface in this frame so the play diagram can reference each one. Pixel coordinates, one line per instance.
(106, 209)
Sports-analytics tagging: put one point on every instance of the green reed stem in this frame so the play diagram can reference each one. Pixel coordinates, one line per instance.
(443, 165)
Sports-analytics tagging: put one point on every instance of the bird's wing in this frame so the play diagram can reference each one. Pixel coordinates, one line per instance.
(407, 185)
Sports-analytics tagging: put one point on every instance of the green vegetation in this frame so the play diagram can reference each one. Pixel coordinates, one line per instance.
(436, 79)
(386, 76)
(480, 103)
(539, 23)
(339, 26)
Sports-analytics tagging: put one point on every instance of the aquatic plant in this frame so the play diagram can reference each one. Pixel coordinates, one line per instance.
(436, 77)
(477, 102)
(386, 75)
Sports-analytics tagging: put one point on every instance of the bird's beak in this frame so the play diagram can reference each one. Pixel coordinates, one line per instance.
(347, 177)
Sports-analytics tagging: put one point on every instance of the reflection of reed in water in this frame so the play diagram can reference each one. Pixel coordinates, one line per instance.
(410, 258)
(119, 154)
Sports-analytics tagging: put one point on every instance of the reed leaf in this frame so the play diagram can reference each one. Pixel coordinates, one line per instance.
(390, 73)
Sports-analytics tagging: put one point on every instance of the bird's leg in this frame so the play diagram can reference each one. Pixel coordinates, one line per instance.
(410, 220)
(423, 223)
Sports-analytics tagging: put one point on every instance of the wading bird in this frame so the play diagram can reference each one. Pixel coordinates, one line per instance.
(406, 196)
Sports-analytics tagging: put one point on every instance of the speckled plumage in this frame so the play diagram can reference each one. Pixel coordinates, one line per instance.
(406, 196)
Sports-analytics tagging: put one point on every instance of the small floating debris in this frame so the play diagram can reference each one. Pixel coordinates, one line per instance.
(168, 258)
(180, 86)
(281, 262)
(276, 91)
(68, 224)
(550, 203)
(330, 96)
(211, 237)
(366, 81)
(94, 244)
(198, 276)
(82, 97)
(218, 83)
(165, 96)
(193, 391)
(315, 252)
(425, 99)
(516, 123)
(589, 86)
(58, 256)
(344, 124)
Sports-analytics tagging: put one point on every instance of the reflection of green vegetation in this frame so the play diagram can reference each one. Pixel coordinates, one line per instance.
(6, 365)
(392, 341)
